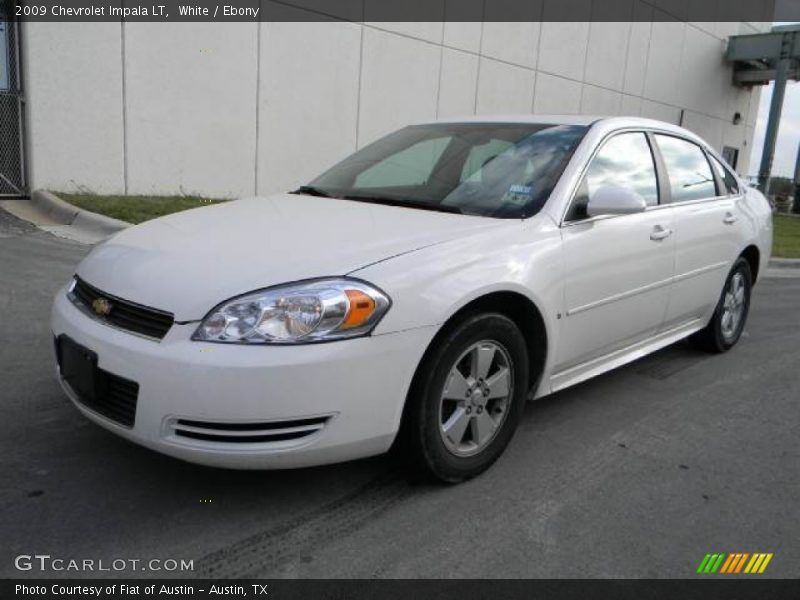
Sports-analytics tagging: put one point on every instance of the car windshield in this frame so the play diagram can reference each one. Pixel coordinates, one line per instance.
(501, 170)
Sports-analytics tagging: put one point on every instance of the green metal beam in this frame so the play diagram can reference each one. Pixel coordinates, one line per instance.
(758, 59)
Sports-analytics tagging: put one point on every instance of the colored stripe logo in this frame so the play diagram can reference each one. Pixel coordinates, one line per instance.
(734, 563)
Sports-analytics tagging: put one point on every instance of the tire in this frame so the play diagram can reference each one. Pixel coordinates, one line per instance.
(721, 334)
(457, 362)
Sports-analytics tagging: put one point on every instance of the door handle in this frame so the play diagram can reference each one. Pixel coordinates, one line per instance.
(660, 233)
(730, 218)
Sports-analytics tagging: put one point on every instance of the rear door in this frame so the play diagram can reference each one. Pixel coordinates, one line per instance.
(707, 219)
(617, 269)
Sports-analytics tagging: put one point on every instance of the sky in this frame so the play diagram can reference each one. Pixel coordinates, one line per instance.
(786, 147)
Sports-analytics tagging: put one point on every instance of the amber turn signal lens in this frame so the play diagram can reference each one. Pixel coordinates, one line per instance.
(361, 309)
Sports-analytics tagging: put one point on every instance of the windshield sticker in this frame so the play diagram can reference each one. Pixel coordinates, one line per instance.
(518, 194)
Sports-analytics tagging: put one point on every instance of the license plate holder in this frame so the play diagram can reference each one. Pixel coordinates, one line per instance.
(78, 367)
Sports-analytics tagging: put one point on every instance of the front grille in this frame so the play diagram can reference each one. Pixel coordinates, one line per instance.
(107, 394)
(116, 398)
(123, 314)
(249, 433)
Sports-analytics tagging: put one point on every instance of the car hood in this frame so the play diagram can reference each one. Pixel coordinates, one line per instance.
(189, 262)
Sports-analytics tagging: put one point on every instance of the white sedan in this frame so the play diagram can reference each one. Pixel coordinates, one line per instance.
(415, 295)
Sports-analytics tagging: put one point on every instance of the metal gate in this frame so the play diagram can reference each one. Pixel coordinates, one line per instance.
(12, 105)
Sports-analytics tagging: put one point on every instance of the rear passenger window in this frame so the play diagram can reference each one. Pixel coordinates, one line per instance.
(689, 173)
(625, 161)
(728, 180)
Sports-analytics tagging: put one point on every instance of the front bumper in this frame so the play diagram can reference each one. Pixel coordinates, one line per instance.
(360, 384)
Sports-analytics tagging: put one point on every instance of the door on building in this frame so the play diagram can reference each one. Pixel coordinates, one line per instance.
(731, 155)
(12, 162)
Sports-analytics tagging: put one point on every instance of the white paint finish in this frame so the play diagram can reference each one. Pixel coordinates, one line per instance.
(608, 278)
(463, 35)
(293, 151)
(496, 36)
(614, 265)
(197, 134)
(600, 101)
(313, 237)
(662, 79)
(399, 82)
(556, 95)
(458, 83)
(703, 257)
(73, 84)
(563, 48)
(605, 57)
(504, 88)
(213, 383)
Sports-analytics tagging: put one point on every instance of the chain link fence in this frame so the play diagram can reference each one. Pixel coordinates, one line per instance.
(12, 164)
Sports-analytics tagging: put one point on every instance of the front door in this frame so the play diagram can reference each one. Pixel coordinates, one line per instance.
(617, 269)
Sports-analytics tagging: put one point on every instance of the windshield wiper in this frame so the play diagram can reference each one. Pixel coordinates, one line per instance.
(405, 203)
(310, 190)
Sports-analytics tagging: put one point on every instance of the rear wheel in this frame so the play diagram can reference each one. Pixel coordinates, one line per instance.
(727, 323)
(467, 398)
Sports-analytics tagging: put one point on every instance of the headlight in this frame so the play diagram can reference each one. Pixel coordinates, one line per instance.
(300, 313)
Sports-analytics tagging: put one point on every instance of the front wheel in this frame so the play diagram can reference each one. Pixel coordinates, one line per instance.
(467, 398)
(727, 323)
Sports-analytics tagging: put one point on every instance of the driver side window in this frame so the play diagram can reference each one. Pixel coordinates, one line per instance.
(625, 161)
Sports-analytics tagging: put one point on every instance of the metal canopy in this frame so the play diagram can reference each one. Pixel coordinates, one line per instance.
(756, 56)
(758, 59)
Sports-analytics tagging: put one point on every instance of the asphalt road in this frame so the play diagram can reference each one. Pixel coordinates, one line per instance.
(637, 473)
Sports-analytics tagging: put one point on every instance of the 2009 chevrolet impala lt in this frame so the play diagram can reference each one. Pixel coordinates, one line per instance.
(416, 293)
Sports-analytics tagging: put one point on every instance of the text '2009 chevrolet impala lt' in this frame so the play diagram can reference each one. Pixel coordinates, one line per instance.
(416, 293)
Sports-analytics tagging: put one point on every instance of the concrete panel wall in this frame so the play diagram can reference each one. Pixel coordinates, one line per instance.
(236, 109)
(308, 100)
(190, 103)
(73, 85)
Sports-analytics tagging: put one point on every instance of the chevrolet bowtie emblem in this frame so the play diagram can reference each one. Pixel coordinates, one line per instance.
(101, 306)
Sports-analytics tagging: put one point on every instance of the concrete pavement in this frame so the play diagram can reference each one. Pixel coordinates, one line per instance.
(637, 473)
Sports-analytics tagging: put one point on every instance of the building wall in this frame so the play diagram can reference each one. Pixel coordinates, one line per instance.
(235, 109)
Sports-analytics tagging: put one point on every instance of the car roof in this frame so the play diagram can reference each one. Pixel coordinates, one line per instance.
(524, 118)
(607, 123)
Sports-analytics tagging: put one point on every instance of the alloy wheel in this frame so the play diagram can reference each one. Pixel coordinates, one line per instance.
(475, 399)
(733, 305)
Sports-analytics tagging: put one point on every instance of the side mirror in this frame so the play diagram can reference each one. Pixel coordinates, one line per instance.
(615, 200)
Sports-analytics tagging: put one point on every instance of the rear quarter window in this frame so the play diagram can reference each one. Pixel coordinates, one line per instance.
(688, 171)
(729, 182)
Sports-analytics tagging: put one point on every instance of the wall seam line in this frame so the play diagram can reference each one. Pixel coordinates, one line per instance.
(358, 96)
(124, 110)
(258, 107)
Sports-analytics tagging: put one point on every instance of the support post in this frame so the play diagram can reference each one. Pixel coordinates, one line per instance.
(783, 65)
(796, 203)
(775, 107)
